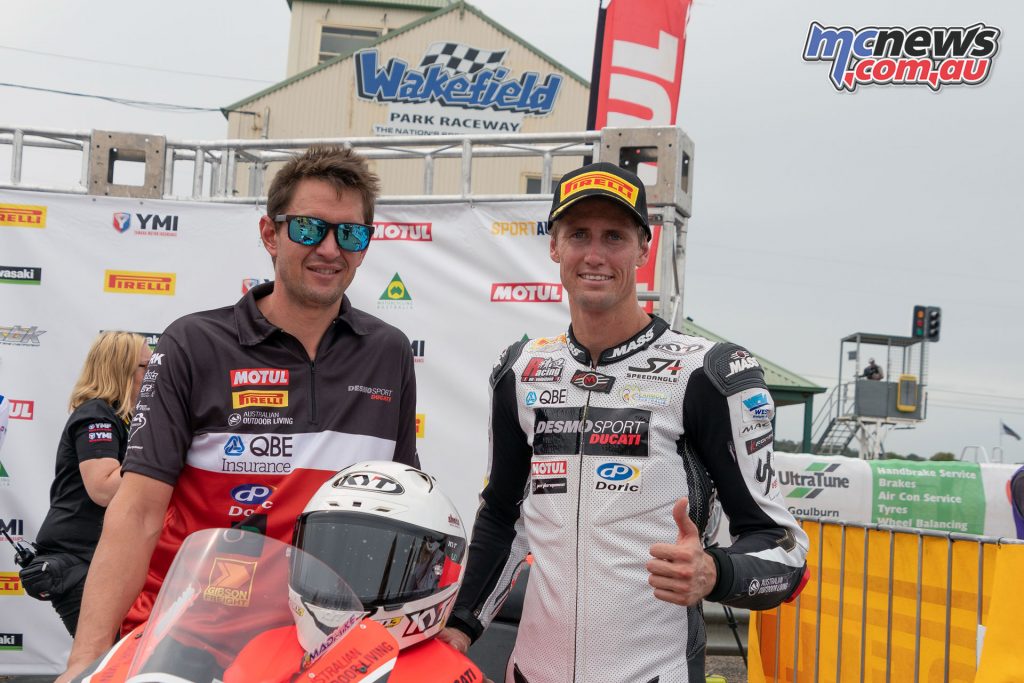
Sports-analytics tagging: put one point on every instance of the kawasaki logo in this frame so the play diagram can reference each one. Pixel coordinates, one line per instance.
(21, 275)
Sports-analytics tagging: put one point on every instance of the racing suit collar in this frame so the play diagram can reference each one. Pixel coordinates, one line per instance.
(253, 328)
(624, 349)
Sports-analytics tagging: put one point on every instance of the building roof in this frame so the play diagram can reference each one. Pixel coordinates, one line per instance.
(882, 339)
(394, 34)
(777, 377)
(401, 4)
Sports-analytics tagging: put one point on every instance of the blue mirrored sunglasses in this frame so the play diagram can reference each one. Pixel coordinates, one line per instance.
(310, 231)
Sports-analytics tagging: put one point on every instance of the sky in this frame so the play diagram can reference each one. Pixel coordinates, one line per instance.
(817, 214)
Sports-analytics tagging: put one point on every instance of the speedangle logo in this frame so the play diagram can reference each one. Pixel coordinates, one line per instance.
(933, 56)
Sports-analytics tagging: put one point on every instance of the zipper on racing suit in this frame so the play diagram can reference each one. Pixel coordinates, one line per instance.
(579, 506)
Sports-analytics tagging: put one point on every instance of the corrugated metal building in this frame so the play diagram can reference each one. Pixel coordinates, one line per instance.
(363, 68)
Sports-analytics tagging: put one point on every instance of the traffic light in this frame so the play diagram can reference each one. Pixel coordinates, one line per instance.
(927, 321)
(917, 329)
(933, 320)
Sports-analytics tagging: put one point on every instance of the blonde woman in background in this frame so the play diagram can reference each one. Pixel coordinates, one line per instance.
(88, 470)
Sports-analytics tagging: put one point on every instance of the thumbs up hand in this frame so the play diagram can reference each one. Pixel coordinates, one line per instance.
(681, 572)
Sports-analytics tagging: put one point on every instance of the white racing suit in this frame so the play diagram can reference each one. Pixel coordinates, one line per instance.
(587, 460)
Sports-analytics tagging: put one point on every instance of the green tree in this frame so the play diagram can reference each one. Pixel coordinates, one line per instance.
(944, 456)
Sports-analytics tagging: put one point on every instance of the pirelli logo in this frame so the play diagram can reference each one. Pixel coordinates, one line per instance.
(421, 425)
(10, 584)
(267, 399)
(135, 282)
(23, 216)
(601, 180)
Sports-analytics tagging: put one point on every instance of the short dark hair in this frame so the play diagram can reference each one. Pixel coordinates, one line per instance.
(343, 168)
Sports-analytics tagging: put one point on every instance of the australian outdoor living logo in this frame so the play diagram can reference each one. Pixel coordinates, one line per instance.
(934, 56)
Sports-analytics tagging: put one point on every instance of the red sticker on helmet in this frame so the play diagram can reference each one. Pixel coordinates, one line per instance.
(450, 573)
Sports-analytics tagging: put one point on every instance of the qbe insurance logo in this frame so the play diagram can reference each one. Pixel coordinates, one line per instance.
(933, 56)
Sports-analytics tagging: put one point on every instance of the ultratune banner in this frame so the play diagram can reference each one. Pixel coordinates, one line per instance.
(961, 497)
(461, 281)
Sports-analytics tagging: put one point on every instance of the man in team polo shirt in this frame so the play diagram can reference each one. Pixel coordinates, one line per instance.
(246, 410)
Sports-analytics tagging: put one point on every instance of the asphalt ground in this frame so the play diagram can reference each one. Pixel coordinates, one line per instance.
(731, 668)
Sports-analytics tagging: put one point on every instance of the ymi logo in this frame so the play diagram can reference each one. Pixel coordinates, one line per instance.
(935, 57)
(146, 224)
(122, 221)
(419, 349)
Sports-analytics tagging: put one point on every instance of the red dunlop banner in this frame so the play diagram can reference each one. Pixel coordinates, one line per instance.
(638, 70)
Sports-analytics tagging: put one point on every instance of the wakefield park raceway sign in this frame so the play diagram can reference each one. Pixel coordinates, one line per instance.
(455, 89)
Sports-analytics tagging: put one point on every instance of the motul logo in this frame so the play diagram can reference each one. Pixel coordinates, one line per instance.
(412, 232)
(526, 292)
(22, 410)
(550, 467)
(260, 376)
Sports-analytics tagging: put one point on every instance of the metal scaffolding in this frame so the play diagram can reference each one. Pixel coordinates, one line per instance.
(662, 155)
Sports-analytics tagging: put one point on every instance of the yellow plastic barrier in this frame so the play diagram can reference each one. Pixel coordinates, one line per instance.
(895, 605)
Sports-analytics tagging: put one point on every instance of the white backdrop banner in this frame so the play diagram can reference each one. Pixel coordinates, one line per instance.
(461, 281)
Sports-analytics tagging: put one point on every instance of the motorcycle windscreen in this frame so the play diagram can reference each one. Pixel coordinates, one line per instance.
(384, 561)
(225, 588)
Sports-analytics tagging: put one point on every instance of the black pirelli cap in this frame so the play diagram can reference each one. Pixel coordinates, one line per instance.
(602, 180)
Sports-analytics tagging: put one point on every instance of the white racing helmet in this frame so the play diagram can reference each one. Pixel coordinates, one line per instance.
(394, 537)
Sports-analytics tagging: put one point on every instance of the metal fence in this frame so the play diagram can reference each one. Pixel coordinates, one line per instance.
(882, 604)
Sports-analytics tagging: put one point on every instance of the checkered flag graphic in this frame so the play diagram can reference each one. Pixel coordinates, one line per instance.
(461, 59)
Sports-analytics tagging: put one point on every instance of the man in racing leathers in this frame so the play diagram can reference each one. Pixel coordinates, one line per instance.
(608, 444)
(246, 410)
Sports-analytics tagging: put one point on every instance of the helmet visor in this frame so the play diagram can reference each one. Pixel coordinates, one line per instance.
(384, 561)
